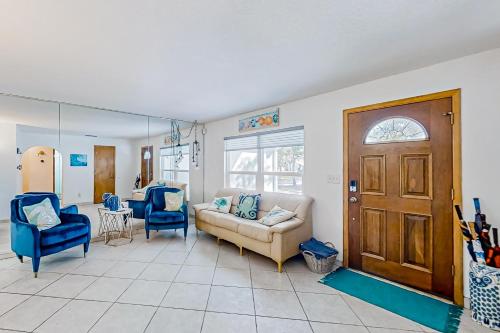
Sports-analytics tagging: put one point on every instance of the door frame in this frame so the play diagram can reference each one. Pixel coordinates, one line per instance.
(455, 95)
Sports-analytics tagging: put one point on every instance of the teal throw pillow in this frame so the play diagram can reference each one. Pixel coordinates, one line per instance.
(221, 205)
(248, 206)
(42, 215)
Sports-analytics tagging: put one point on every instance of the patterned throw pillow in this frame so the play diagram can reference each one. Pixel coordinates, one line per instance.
(42, 215)
(276, 215)
(221, 205)
(174, 201)
(248, 206)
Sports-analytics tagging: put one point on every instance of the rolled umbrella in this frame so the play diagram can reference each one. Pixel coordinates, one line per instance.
(466, 232)
(482, 228)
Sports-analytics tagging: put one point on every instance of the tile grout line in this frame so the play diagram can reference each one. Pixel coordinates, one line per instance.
(352, 310)
(170, 286)
(253, 297)
(68, 300)
(211, 285)
(300, 302)
(30, 296)
(74, 298)
(115, 301)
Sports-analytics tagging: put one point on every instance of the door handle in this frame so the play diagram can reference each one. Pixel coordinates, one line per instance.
(353, 199)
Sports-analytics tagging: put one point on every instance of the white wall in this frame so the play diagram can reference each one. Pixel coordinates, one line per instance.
(78, 182)
(479, 78)
(8, 171)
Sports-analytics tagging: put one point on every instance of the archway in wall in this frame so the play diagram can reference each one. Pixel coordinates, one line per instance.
(41, 170)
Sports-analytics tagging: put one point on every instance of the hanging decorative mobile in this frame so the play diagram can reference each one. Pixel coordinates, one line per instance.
(196, 147)
(175, 143)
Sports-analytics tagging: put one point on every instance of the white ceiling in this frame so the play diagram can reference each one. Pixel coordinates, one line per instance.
(204, 60)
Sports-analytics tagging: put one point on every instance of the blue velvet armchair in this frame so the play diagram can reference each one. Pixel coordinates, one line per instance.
(28, 241)
(139, 206)
(156, 218)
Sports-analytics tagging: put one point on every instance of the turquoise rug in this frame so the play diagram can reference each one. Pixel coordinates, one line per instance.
(428, 311)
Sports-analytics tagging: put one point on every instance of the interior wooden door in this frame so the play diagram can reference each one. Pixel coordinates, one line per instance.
(400, 208)
(104, 171)
(146, 166)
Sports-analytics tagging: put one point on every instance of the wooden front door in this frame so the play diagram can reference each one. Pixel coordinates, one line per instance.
(104, 171)
(146, 166)
(400, 178)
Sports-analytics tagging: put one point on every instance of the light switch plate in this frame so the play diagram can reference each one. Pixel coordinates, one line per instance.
(333, 179)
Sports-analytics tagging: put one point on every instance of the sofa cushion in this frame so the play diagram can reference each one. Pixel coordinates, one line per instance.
(226, 221)
(161, 216)
(62, 233)
(256, 231)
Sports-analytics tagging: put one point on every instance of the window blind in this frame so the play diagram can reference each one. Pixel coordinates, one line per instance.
(247, 142)
(280, 138)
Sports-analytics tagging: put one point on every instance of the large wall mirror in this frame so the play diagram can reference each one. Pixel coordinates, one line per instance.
(81, 152)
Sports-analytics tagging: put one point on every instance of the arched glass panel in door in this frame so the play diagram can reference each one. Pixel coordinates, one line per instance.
(397, 129)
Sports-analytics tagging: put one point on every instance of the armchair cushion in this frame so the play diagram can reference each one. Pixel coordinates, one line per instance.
(63, 233)
(165, 217)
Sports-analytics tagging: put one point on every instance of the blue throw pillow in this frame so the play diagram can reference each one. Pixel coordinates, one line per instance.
(248, 206)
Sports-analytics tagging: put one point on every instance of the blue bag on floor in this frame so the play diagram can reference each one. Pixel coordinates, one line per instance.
(319, 249)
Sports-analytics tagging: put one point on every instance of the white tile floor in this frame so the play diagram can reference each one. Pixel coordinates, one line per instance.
(172, 285)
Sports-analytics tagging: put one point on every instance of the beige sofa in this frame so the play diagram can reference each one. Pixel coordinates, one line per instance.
(278, 242)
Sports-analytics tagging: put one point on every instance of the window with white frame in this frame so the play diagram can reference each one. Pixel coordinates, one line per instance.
(269, 161)
(174, 164)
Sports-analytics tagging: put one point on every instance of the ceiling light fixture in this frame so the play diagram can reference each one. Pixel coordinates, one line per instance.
(147, 153)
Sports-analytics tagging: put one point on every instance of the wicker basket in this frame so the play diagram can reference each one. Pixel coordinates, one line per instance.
(320, 266)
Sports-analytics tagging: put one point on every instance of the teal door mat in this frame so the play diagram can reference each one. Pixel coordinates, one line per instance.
(428, 311)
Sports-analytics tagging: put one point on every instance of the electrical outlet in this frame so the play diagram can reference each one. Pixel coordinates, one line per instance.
(333, 179)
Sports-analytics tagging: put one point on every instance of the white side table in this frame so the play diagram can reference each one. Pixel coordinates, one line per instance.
(115, 225)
